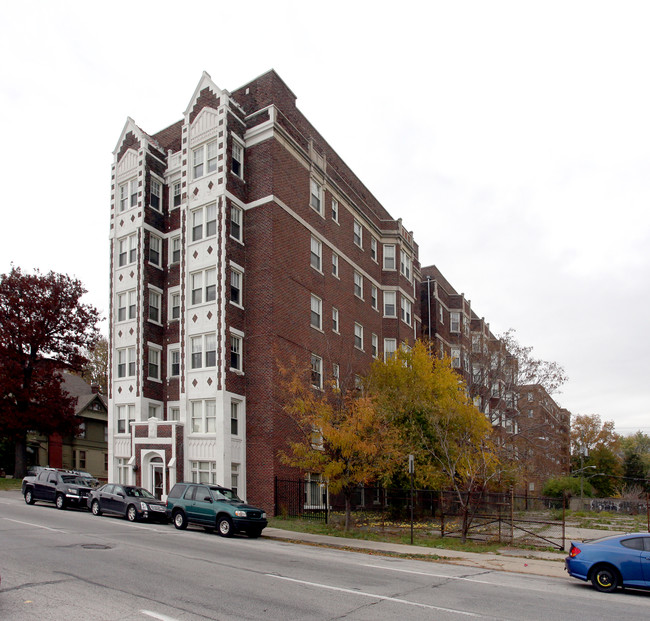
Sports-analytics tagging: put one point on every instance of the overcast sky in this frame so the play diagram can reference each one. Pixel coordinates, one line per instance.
(512, 137)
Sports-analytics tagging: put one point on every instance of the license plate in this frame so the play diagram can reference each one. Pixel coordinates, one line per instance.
(157, 508)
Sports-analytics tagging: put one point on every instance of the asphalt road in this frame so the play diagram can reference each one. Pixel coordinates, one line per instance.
(68, 565)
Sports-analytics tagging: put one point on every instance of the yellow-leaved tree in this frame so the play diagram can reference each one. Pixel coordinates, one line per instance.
(344, 437)
(449, 437)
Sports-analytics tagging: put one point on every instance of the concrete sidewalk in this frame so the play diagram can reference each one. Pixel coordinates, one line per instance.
(508, 559)
(535, 562)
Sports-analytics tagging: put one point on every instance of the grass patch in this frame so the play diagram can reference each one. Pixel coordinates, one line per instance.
(10, 484)
(391, 534)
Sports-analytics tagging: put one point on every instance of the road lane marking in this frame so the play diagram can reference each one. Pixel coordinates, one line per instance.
(157, 615)
(375, 596)
(56, 530)
(426, 573)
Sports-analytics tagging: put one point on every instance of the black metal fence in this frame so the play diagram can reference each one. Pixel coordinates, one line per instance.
(300, 498)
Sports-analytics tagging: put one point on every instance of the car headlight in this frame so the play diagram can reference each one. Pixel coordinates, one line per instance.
(264, 514)
(73, 490)
(240, 513)
(144, 506)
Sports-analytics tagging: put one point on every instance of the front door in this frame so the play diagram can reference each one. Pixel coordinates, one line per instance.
(157, 478)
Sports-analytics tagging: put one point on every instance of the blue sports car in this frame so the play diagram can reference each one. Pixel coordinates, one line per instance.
(610, 562)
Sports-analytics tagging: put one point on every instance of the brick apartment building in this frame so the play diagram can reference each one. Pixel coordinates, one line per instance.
(545, 445)
(240, 238)
(528, 421)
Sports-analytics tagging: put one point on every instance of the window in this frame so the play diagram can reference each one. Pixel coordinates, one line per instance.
(234, 477)
(175, 249)
(204, 222)
(128, 194)
(373, 249)
(455, 322)
(176, 194)
(442, 315)
(358, 234)
(358, 285)
(316, 254)
(204, 472)
(174, 362)
(204, 159)
(236, 346)
(126, 305)
(81, 432)
(316, 195)
(203, 286)
(358, 336)
(390, 304)
(156, 193)
(389, 256)
(455, 357)
(210, 350)
(335, 319)
(196, 352)
(236, 278)
(406, 310)
(234, 418)
(405, 265)
(154, 363)
(174, 413)
(336, 376)
(373, 296)
(154, 306)
(203, 351)
(390, 346)
(203, 416)
(316, 312)
(155, 250)
(123, 469)
(316, 371)
(154, 411)
(126, 362)
(127, 250)
(335, 264)
(335, 210)
(80, 459)
(174, 305)
(375, 345)
(125, 415)
(237, 159)
(236, 223)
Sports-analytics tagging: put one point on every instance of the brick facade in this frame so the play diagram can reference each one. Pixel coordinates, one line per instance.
(242, 188)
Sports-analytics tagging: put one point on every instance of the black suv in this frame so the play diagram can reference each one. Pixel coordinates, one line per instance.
(213, 506)
(62, 487)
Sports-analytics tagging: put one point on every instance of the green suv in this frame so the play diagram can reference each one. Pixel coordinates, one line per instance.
(213, 506)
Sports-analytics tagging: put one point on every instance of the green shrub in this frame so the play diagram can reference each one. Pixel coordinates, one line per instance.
(570, 486)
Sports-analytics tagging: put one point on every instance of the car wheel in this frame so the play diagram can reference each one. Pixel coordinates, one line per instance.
(180, 521)
(60, 501)
(224, 526)
(94, 507)
(131, 513)
(605, 579)
(29, 497)
(254, 533)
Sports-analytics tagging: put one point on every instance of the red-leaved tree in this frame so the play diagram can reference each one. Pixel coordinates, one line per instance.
(44, 328)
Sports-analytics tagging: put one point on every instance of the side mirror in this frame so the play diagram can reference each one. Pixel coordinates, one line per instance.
(120, 494)
(207, 499)
(52, 480)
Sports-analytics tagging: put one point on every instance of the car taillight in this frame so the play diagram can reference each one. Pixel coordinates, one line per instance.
(574, 551)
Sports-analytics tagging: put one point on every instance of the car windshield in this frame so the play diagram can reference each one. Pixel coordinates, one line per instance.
(228, 494)
(75, 480)
(139, 492)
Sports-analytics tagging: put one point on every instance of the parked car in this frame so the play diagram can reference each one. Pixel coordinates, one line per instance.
(62, 487)
(134, 503)
(611, 562)
(213, 506)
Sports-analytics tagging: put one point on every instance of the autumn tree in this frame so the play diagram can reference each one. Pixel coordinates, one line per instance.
(588, 432)
(343, 436)
(43, 327)
(451, 439)
(531, 370)
(95, 371)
